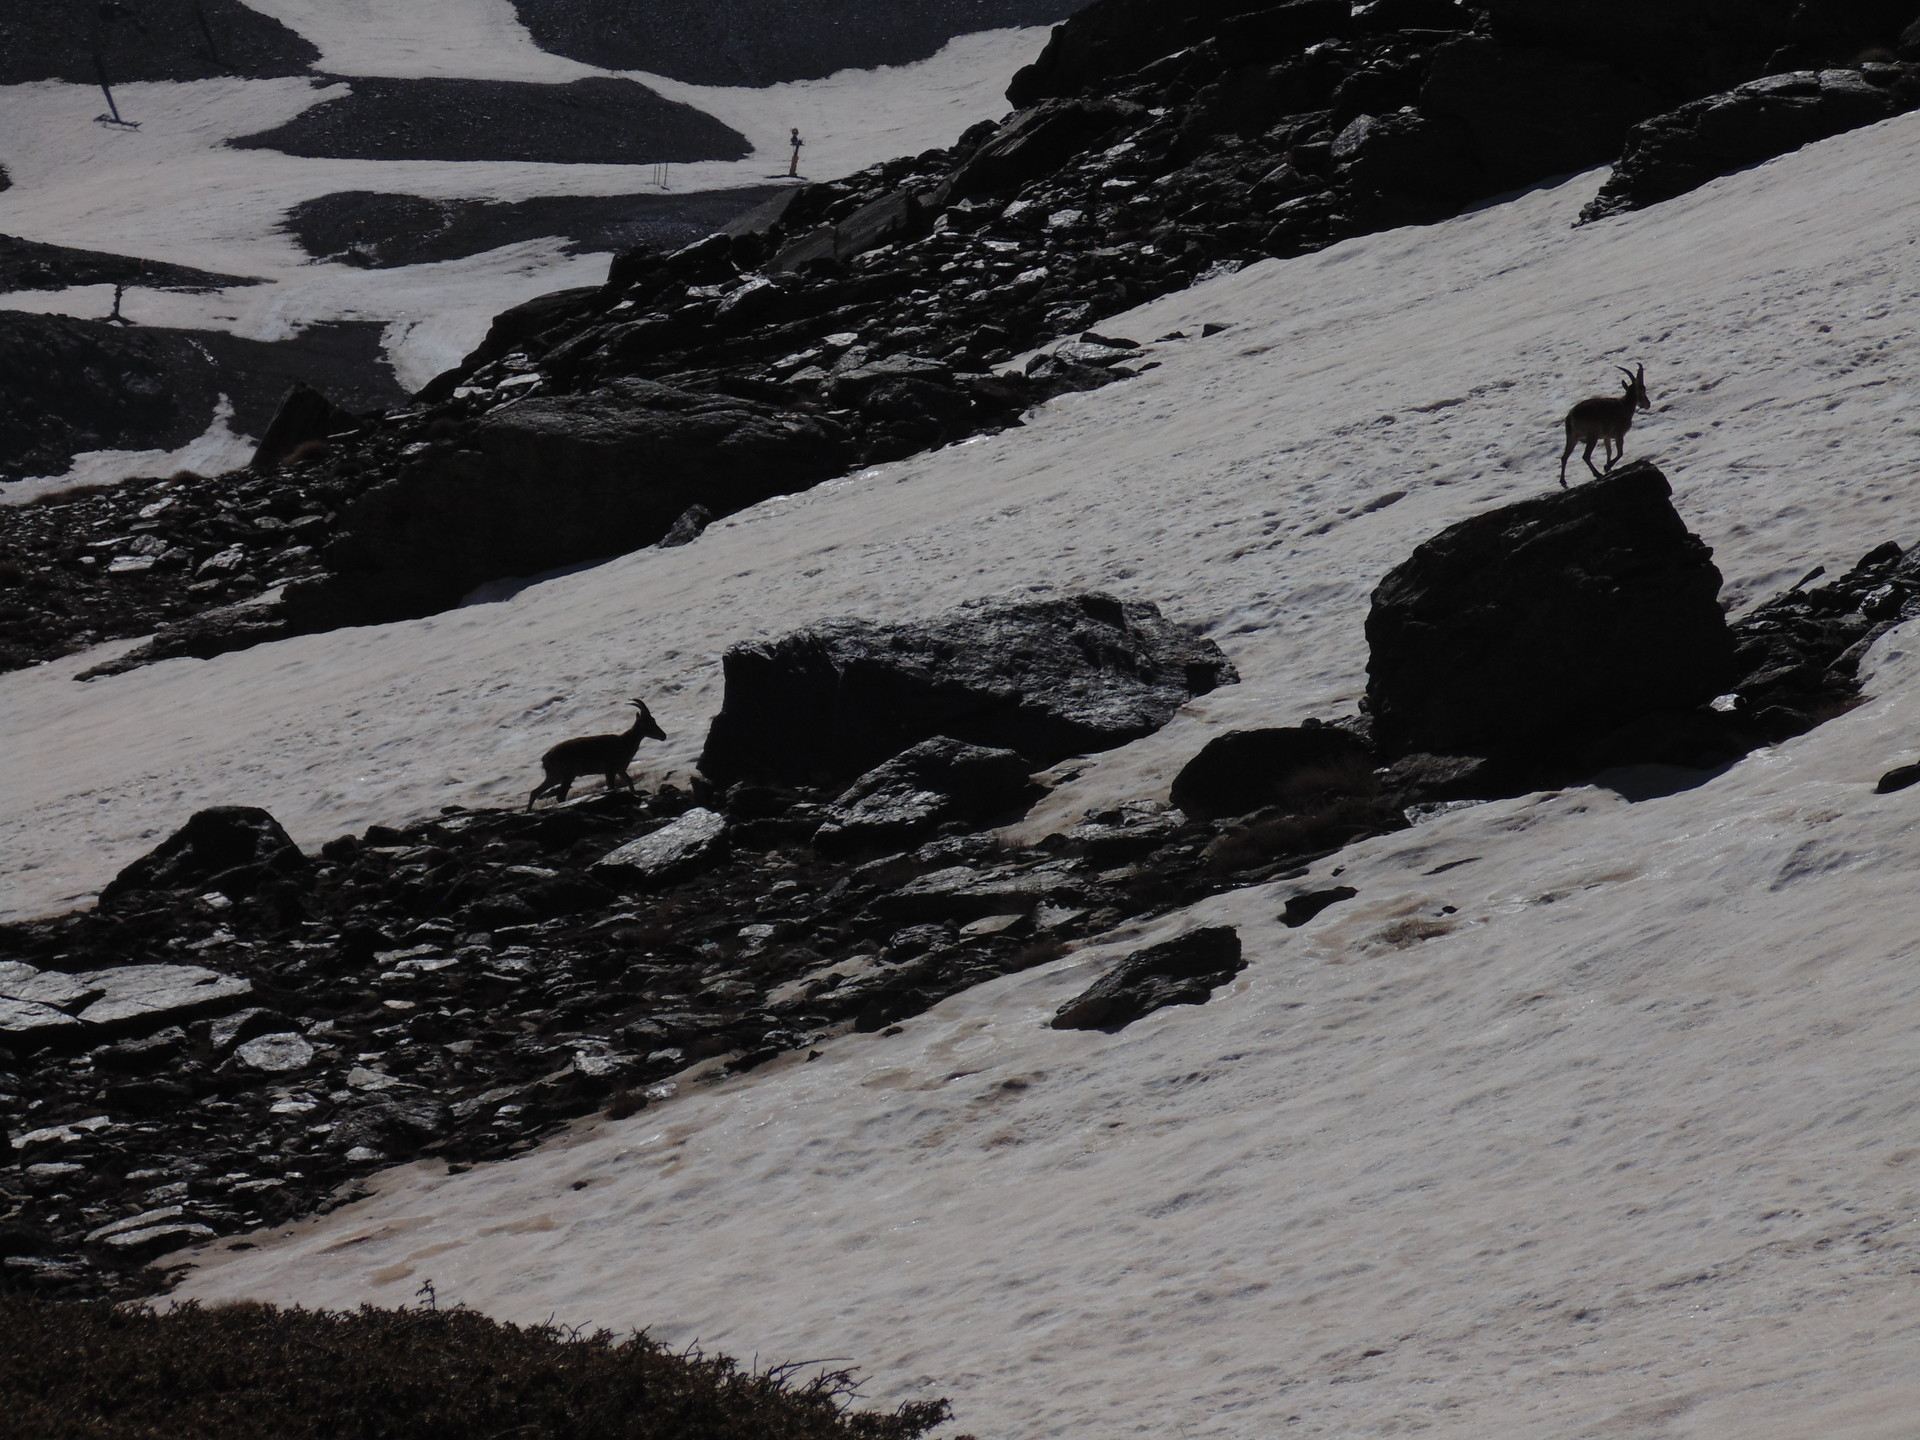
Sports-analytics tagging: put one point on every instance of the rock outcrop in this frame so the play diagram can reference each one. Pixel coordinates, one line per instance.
(233, 849)
(1529, 626)
(1045, 678)
(1681, 150)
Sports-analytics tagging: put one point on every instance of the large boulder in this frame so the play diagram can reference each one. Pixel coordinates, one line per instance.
(553, 481)
(1673, 153)
(1545, 621)
(233, 849)
(1247, 770)
(1046, 678)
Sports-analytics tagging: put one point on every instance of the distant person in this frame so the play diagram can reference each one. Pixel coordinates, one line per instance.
(793, 167)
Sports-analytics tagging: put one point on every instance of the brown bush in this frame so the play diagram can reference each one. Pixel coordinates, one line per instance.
(90, 1371)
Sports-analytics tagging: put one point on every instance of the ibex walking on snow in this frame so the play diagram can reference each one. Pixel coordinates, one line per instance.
(1608, 418)
(607, 755)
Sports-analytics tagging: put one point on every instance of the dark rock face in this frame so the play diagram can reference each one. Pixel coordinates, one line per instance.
(1545, 620)
(1247, 770)
(1695, 47)
(762, 42)
(913, 794)
(1048, 679)
(1185, 971)
(1683, 149)
(1112, 38)
(599, 120)
(1530, 113)
(553, 481)
(1037, 141)
(230, 848)
(156, 40)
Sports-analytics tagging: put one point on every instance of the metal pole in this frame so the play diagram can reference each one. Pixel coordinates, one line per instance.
(100, 66)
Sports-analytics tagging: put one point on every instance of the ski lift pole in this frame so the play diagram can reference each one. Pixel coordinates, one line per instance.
(100, 68)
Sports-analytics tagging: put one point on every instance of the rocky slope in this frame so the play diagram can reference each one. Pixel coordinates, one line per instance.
(1156, 145)
(239, 1030)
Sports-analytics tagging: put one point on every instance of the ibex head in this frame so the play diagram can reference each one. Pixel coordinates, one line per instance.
(645, 722)
(1636, 386)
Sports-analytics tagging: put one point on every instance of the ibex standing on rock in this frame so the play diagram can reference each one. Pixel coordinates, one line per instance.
(1608, 418)
(607, 755)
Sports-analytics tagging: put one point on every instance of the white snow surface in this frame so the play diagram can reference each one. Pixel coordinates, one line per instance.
(1610, 1129)
(172, 191)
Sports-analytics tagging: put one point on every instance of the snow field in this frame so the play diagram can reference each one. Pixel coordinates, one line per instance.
(172, 191)
(1622, 1144)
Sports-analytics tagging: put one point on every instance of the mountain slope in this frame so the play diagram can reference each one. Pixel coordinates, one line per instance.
(1581, 1118)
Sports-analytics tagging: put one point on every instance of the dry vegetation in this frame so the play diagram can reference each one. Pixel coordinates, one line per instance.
(90, 1371)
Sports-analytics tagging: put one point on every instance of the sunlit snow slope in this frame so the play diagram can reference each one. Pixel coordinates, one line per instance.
(172, 191)
(1582, 1119)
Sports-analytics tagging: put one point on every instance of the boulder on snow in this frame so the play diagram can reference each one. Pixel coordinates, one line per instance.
(230, 848)
(1247, 770)
(1546, 622)
(1670, 154)
(920, 789)
(1183, 971)
(1045, 678)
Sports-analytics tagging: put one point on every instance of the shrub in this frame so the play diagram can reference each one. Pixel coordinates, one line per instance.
(91, 1371)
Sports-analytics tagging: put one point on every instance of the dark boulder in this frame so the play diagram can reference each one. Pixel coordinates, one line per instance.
(921, 788)
(1047, 678)
(1546, 622)
(1673, 153)
(305, 417)
(553, 481)
(1185, 971)
(1303, 907)
(1247, 770)
(230, 848)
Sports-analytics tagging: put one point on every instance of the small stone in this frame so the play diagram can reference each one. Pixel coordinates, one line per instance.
(276, 1054)
(361, 1078)
(363, 1155)
(992, 925)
